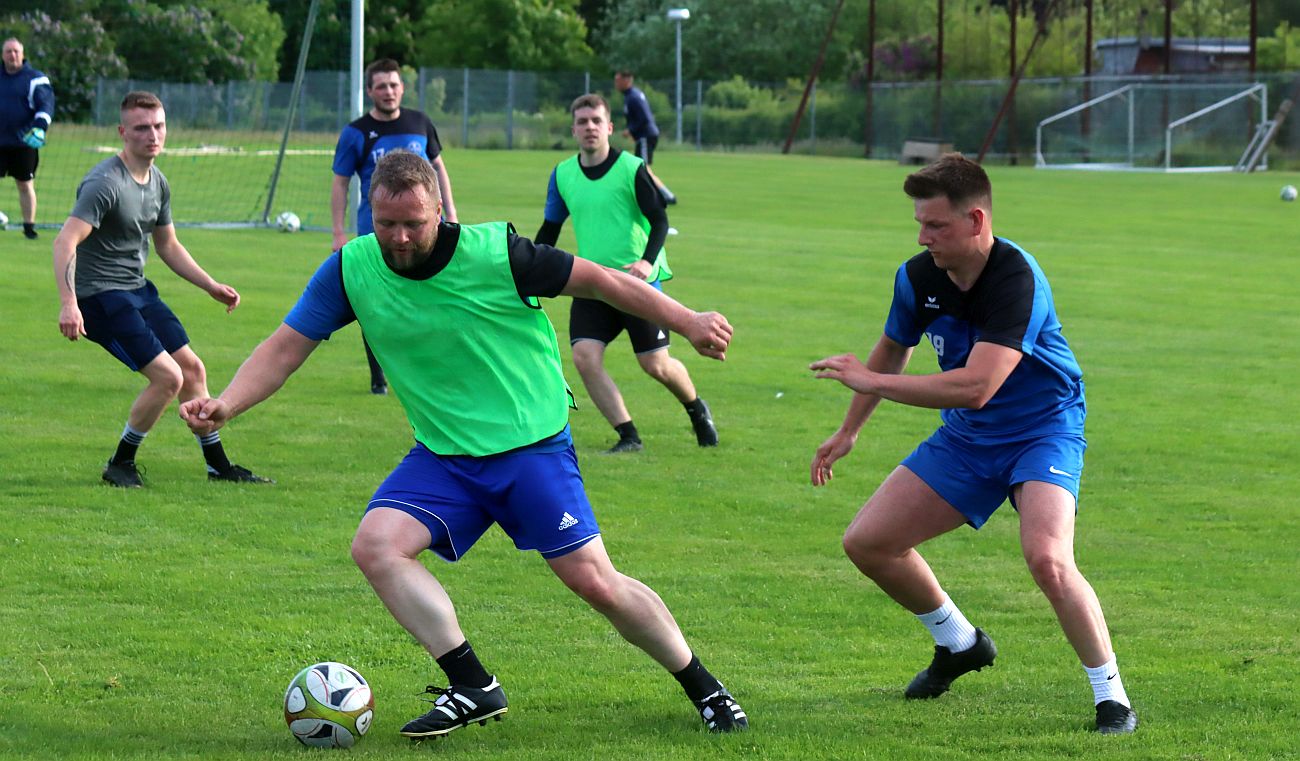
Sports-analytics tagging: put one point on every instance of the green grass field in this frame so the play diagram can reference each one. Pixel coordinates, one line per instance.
(166, 622)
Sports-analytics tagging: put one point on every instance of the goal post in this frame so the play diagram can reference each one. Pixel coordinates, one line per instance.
(1167, 127)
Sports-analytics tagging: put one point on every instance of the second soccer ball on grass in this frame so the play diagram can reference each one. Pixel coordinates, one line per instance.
(288, 222)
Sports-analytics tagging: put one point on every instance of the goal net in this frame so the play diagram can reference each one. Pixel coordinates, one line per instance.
(1171, 127)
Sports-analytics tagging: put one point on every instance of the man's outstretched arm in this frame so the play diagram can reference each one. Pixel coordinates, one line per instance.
(261, 375)
(708, 332)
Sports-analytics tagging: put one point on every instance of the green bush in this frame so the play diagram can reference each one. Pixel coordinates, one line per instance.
(736, 93)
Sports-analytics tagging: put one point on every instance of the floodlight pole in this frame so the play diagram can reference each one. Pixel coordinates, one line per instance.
(679, 15)
(358, 55)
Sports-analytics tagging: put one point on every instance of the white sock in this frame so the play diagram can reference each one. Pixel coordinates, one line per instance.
(949, 627)
(132, 436)
(1106, 683)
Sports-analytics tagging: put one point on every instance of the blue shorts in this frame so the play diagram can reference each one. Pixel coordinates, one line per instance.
(536, 495)
(975, 478)
(134, 326)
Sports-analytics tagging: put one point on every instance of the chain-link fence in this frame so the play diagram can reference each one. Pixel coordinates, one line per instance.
(226, 138)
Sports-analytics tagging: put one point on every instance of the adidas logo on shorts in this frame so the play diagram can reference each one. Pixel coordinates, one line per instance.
(568, 521)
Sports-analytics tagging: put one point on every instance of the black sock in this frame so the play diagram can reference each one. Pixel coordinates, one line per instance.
(627, 431)
(213, 453)
(462, 667)
(128, 445)
(694, 408)
(696, 680)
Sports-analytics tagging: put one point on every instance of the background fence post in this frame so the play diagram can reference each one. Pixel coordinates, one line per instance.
(464, 114)
(510, 109)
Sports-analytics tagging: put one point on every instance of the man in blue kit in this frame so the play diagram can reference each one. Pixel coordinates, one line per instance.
(453, 313)
(386, 127)
(26, 110)
(1011, 400)
(641, 127)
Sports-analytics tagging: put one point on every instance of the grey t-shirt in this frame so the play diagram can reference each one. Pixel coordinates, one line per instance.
(124, 214)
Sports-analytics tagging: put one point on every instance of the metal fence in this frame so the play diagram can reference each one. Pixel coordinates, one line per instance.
(225, 145)
(527, 110)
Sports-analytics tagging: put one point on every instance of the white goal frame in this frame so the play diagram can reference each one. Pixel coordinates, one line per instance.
(1258, 92)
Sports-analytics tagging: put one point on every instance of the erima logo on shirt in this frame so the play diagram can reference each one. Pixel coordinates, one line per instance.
(568, 521)
(373, 134)
(931, 302)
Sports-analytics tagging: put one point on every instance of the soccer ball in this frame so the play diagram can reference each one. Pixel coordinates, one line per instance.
(4, 221)
(288, 222)
(1288, 192)
(329, 705)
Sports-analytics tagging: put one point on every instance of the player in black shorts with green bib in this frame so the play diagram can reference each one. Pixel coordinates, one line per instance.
(620, 222)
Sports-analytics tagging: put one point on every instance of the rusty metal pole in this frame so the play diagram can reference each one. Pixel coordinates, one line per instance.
(938, 77)
(812, 78)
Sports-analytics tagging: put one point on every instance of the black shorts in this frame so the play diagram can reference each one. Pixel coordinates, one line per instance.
(591, 320)
(19, 162)
(134, 326)
(645, 148)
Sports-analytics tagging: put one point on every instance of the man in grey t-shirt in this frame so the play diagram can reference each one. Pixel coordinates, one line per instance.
(122, 203)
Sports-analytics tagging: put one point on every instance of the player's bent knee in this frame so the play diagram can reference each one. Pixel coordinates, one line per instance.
(861, 550)
(372, 552)
(662, 370)
(168, 383)
(588, 356)
(1053, 575)
(595, 590)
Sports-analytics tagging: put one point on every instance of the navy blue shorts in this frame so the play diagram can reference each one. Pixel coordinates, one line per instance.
(645, 148)
(593, 320)
(536, 496)
(134, 326)
(976, 478)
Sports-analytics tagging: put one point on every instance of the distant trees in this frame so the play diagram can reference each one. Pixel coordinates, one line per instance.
(76, 42)
(538, 35)
(74, 53)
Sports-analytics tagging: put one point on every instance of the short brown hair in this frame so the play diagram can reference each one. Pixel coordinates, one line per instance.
(141, 99)
(952, 175)
(400, 172)
(590, 100)
(382, 66)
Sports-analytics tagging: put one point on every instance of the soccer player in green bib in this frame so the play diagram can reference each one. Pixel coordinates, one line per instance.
(452, 313)
(620, 222)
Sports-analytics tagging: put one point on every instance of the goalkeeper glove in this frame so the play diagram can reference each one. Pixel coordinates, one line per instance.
(34, 137)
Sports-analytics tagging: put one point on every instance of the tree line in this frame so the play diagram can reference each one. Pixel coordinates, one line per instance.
(78, 41)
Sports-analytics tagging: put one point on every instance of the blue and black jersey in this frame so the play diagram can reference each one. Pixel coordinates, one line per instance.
(1010, 305)
(26, 101)
(363, 142)
(640, 119)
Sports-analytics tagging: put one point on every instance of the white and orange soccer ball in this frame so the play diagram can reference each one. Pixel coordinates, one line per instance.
(329, 705)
